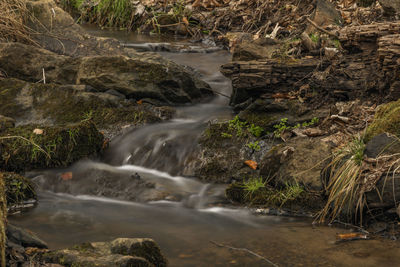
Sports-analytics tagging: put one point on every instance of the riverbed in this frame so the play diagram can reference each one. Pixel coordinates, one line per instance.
(195, 218)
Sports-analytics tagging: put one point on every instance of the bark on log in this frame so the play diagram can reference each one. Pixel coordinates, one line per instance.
(266, 77)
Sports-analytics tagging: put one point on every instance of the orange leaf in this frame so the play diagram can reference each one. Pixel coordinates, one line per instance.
(252, 164)
(140, 102)
(350, 236)
(185, 20)
(66, 176)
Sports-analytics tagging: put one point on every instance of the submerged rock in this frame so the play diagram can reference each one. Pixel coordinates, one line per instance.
(119, 252)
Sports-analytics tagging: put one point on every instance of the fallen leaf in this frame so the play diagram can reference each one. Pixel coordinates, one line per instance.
(185, 20)
(251, 163)
(350, 237)
(38, 131)
(66, 176)
(140, 102)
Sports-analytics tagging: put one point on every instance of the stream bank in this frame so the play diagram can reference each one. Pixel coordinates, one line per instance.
(261, 152)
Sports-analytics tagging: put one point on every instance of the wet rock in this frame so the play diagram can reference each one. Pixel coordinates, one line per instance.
(89, 179)
(6, 122)
(254, 50)
(119, 252)
(324, 14)
(139, 76)
(57, 146)
(60, 104)
(390, 7)
(382, 144)
(23, 237)
(299, 160)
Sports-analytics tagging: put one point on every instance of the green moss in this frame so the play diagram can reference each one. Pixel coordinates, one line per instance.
(387, 119)
(59, 146)
(67, 105)
(255, 191)
(18, 188)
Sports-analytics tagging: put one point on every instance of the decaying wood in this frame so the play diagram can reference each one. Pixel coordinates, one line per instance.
(256, 78)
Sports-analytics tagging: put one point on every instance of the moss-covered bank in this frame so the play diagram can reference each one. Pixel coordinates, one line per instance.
(387, 119)
(31, 147)
(3, 216)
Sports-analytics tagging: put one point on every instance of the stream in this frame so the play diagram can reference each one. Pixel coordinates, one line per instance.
(191, 214)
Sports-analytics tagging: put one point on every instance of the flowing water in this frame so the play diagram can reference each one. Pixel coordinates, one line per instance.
(192, 215)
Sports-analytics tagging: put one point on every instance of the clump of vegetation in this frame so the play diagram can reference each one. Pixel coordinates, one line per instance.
(254, 146)
(387, 119)
(18, 188)
(105, 13)
(344, 173)
(283, 125)
(22, 149)
(256, 191)
(13, 15)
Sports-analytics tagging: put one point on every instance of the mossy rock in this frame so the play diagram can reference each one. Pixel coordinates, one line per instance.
(387, 119)
(22, 149)
(70, 104)
(18, 188)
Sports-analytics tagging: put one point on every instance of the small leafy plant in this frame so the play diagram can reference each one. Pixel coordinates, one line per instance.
(253, 184)
(254, 146)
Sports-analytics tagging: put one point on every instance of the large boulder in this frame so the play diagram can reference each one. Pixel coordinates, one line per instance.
(300, 160)
(137, 76)
(387, 119)
(119, 252)
(59, 104)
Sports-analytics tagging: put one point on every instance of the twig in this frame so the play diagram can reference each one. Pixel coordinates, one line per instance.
(44, 76)
(351, 225)
(321, 29)
(245, 250)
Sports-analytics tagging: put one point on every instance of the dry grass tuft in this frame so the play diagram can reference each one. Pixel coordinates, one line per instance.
(344, 185)
(13, 17)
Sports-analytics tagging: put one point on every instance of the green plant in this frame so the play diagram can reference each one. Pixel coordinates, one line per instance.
(314, 37)
(237, 125)
(288, 193)
(281, 127)
(254, 146)
(87, 116)
(226, 135)
(255, 130)
(344, 172)
(252, 185)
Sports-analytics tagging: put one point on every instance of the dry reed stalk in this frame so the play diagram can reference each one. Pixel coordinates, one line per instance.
(13, 17)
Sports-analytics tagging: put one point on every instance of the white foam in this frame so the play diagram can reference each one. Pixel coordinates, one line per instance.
(140, 169)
